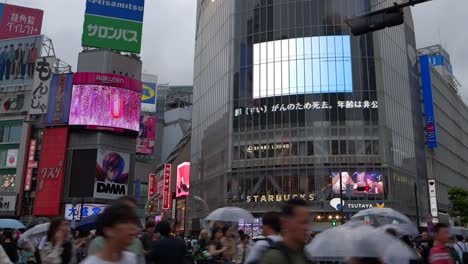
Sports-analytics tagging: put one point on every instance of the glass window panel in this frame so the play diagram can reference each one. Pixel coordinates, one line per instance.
(15, 134)
(3, 155)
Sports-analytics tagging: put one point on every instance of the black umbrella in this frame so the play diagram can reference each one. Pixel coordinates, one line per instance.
(88, 223)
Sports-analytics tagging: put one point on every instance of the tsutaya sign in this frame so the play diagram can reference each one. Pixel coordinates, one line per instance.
(306, 106)
(278, 197)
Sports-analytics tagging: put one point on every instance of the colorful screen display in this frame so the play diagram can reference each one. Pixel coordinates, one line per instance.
(105, 106)
(183, 179)
(357, 183)
(320, 64)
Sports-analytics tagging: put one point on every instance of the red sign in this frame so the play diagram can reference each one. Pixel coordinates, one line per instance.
(183, 179)
(32, 164)
(151, 185)
(51, 170)
(19, 21)
(167, 187)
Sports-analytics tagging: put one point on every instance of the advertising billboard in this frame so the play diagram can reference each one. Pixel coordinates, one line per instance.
(51, 172)
(19, 21)
(12, 158)
(16, 100)
(358, 183)
(310, 65)
(114, 24)
(167, 187)
(145, 140)
(31, 164)
(148, 93)
(59, 98)
(112, 170)
(151, 185)
(430, 121)
(89, 209)
(101, 101)
(18, 60)
(183, 179)
(41, 85)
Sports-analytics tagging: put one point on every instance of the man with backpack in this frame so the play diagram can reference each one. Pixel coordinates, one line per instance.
(462, 249)
(295, 220)
(272, 231)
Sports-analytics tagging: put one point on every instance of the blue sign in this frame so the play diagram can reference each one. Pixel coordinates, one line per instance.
(431, 135)
(59, 99)
(439, 60)
(121, 9)
(148, 93)
(137, 189)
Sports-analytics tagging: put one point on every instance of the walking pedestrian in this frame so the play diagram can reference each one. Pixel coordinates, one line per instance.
(440, 254)
(271, 229)
(295, 220)
(229, 242)
(461, 248)
(167, 249)
(4, 259)
(215, 248)
(58, 248)
(201, 254)
(119, 224)
(27, 253)
(243, 250)
(8, 243)
(147, 238)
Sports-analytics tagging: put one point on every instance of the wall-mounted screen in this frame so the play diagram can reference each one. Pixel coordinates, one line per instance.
(105, 106)
(320, 64)
(358, 183)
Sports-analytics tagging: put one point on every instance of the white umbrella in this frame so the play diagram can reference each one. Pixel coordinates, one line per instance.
(381, 216)
(357, 239)
(401, 229)
(231, 214)
(459, 231)
(34, 234)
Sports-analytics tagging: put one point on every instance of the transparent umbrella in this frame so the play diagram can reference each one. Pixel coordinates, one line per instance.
(231, 214)
(357, 239)
(401, 229)
(34, 234)
(381, 216)
(459, 231)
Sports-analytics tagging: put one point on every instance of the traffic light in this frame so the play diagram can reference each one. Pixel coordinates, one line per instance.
(374, 22)
(363, 188)
(333, 222)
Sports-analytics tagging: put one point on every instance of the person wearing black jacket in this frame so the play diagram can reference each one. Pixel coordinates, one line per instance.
(167, 249)
(9, 245)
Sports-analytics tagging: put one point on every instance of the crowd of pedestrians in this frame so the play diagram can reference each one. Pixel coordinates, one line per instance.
(119, 238)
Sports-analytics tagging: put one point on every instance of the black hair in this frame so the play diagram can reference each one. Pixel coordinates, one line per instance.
(290, 205)
(53, 227)
(117, 214)
(392, 232)
(272, 220)
(127, 199)
(164, 228)
(439, 226)
(150, 224)
(213, 234)
(225, 229)
(459, 238)
(245, 237)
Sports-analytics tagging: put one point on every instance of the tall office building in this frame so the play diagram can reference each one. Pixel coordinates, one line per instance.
(288, 103)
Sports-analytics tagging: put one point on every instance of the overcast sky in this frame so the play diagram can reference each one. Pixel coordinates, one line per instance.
(169, 33)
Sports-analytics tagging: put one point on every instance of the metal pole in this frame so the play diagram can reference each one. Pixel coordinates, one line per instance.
(417, 204)
(82, 206)
(341, 199)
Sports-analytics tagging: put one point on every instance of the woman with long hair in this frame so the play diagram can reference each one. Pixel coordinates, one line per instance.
(9, 245)
(215, 248)
(201, 254)
(58, 249)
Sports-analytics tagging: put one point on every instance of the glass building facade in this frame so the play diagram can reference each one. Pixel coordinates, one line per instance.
(287, 102)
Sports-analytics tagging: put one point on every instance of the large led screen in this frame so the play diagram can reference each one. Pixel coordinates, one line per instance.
(105, 106)
(358, 183)
(308, 65)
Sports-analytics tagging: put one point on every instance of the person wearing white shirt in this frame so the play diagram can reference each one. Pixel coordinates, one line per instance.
(460, 246)
(243, 250)
(271, 230)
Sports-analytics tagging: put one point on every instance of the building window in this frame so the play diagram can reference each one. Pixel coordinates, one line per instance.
(10, 133)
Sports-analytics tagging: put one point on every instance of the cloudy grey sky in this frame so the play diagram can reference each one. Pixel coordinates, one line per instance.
(169, 33)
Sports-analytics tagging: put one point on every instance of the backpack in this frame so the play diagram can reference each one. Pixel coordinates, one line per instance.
(276, 246)
(271, 245)
(464, 258)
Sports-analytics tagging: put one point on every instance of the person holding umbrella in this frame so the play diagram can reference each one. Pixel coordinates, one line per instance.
(58, 248)
(9, 245)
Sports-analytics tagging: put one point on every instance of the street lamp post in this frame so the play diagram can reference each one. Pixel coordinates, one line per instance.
(341, 199)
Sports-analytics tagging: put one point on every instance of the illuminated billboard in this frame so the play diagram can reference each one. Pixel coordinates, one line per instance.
(311, 65)
(358, 183)
(105, 101)
(112, 170)
(183, 179)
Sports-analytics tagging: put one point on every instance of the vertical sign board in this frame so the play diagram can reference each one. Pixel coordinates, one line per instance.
(19, 21)
(59, 98)
(114, 24)
(148, 97)
(430, 122)
(183, 180)
(146, 135)
(151, 185)
(31, 164)
(51, 168)
(41, 85)
(167, 187)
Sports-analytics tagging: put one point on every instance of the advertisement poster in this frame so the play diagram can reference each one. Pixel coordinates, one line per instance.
(88, 210)
(59, 98)
(19, 21)
(167, 187)
(358, 183)
(18, 60)
(151, 185)
(32, 164)
(51, 172)
(41, 85)
(112, 170)
(12, 158)
(148, 93)
(117, 24)
(183, 179)
(145, 140)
